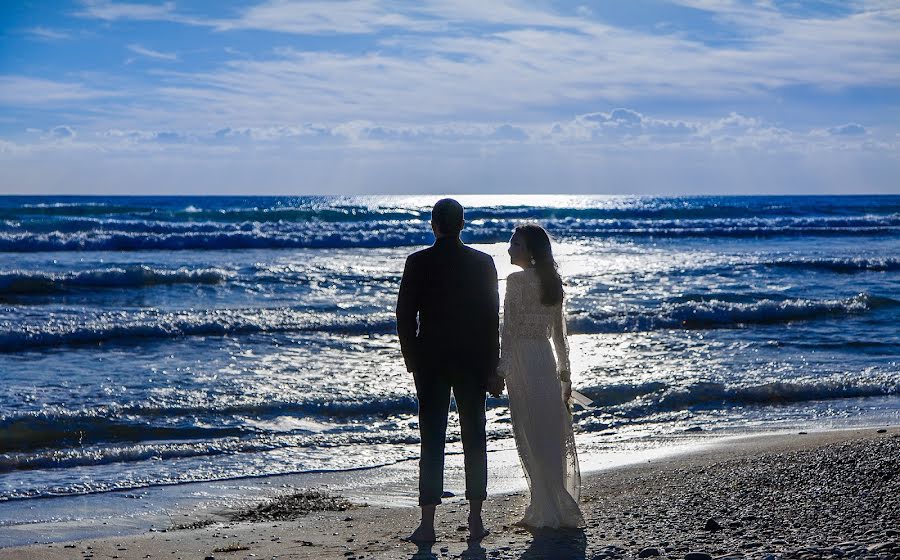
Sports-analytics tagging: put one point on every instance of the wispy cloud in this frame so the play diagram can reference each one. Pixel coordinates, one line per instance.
(312, 17)
(17, 91)
(522, 71)
(351, 16)
(47, 34)
(470, 57)
(150, 53)
(112, 11)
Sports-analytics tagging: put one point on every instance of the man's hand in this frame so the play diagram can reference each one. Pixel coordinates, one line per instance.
(495, 385)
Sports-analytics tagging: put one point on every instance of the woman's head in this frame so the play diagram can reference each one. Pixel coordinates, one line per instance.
(530, 247)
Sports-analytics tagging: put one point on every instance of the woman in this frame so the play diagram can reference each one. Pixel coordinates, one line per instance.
(539, 385)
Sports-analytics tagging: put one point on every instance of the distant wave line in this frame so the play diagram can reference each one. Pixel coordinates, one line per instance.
(405, 235)
(36, 283)
(845, 266)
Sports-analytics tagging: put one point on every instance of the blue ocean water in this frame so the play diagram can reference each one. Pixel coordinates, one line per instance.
(161, 340)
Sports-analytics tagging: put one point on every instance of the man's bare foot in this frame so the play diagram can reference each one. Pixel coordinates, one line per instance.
(476, 529)
(422, 534)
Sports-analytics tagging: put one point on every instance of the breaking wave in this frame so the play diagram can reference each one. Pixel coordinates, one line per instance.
(36, 283)
(708, 394)
(716, 312)
(128, 327)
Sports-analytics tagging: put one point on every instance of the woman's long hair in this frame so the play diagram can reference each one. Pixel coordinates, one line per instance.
(538, 243)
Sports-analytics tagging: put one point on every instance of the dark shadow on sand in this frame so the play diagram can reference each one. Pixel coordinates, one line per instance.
(474, 552)
(424, 552)
(548, 544)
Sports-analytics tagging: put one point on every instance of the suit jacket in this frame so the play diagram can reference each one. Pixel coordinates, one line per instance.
(448, 310)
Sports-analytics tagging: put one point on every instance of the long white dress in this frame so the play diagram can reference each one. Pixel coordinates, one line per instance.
(541, 421)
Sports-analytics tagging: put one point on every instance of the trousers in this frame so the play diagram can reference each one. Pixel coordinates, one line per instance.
(433, 391)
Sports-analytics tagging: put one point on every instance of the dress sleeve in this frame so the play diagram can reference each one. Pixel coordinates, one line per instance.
(561, 342)
(510, 304)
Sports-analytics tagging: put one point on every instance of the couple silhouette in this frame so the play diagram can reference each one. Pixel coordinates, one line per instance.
(448, 321)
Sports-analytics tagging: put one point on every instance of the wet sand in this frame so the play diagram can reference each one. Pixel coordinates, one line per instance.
(831, 494)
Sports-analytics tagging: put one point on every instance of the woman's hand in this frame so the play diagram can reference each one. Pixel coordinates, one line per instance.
(567, 393)
(495, 385)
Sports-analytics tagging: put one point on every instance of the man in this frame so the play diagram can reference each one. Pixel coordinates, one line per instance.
(448, 322)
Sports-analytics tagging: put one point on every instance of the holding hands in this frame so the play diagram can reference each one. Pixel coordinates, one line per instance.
(495, 385)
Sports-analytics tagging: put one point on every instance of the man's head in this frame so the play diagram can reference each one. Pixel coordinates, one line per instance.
(447, 218)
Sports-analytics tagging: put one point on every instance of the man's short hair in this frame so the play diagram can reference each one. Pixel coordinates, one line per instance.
(447, 216)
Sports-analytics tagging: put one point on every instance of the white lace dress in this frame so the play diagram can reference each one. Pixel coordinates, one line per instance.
(542, 423)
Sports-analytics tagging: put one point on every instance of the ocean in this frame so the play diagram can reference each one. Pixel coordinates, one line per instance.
(165, 340)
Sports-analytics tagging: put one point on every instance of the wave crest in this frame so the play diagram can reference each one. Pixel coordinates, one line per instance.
(716, 395)
(36, 283)
(130, 327)
(711, 312)
(846, 266)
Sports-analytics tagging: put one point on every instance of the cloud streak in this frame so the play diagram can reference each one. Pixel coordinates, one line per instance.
(509, 58)
(150, 53)
(108, 10)
(47, 34)
(19, 91)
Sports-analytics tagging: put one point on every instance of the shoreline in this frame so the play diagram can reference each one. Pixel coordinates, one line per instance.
(663, 501)
(130, 512)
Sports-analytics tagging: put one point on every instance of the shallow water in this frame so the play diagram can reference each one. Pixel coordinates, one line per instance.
(150, 341)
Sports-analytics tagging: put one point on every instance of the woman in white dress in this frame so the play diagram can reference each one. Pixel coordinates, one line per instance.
(538, 383)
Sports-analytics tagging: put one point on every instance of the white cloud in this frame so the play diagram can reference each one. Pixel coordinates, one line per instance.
(22, 91)
(510, 58)
(47, 34)
(619, 130)
(522, 70)
(850, 129)
(345, 16)
(150, 53)
(624, 129)
(62, 132)
(112, 11)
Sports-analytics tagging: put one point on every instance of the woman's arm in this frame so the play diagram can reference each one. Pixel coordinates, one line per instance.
(510, 302)
(561, 343)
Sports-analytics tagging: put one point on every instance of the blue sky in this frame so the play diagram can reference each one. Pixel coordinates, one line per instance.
(359, 96)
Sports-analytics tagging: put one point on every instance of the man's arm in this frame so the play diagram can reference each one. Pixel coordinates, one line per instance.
(494, 317)
(408, 311)
(494, 383)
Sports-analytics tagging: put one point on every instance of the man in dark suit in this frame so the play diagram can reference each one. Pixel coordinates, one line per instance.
(448, 322)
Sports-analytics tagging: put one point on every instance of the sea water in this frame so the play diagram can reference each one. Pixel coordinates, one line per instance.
(165, 340)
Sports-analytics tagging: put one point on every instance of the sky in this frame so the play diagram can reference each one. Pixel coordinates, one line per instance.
(458, 96)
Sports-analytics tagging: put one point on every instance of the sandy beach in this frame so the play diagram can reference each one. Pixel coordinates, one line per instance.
(830, 494)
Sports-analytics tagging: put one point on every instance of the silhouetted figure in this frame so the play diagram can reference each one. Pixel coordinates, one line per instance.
(448, 322)
(539, 383)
